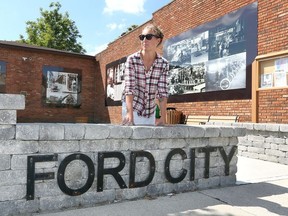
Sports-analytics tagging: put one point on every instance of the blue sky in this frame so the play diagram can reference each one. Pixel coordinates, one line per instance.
(98, 21)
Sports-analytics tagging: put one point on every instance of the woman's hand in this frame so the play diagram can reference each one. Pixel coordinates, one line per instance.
(160, 121)
(128, 120)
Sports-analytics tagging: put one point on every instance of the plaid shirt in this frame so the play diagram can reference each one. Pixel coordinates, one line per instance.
(145, 87)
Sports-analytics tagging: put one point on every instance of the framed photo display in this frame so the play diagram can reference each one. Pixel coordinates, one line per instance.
(62, 87)
(216, 57)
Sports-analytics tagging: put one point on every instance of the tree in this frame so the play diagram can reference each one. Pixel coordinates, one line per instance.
(129, 29)
(53, 30)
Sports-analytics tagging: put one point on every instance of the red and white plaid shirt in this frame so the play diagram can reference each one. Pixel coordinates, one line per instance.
(145, 86)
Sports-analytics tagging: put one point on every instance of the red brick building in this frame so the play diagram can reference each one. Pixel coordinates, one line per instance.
(182, 15)
(24, 67)
(26, 76)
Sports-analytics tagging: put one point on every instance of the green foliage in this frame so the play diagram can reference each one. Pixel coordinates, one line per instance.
(53, 30)
(131, 28)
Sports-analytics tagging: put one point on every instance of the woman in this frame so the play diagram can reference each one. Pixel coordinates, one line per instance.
(145, 79)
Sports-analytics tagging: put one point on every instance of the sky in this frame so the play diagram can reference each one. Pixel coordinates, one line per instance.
(99, 22)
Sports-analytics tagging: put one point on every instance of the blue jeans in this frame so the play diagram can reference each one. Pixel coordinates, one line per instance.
(138, 120)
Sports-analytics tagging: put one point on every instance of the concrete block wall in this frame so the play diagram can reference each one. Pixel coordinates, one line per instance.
(267, 142)
(35, 154)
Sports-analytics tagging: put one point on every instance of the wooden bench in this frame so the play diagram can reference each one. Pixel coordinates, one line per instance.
(224, 118)
(201, 119)
(196, 119)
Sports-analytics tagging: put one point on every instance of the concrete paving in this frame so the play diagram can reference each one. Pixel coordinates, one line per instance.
(261, 189)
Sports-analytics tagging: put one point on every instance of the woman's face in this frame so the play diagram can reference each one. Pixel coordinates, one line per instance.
(149, 45)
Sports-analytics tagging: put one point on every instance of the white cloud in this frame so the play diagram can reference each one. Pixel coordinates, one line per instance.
(93, 51)
(126, 6)
(113, 26)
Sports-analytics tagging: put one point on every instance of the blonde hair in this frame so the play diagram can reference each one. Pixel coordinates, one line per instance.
(156, 31)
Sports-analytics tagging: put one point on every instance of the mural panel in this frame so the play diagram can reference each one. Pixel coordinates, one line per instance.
(215, 56)
(115, 82)
(62, 87)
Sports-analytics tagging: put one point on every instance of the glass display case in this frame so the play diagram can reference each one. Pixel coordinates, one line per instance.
(269, 71)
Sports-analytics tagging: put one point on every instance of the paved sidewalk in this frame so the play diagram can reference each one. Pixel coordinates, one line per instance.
(262, 189)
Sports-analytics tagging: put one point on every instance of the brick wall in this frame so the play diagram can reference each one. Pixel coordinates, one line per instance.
(273, 106)
(174, 18)
(182, 15)
(272, 26)
(26, 77)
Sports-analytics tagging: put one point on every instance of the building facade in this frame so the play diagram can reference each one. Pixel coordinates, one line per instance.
(182, 17)
(58, 86)
(61, 86)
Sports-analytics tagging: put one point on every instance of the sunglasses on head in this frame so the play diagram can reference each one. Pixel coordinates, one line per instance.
(148, 36)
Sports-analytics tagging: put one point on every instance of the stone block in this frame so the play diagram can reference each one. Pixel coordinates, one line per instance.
(8, 117)
(240, 132)
(59, 202)
(7, 132)
(18, 147)
(276, 153)
(227, 180)
(51, 132)
(96, 131)
(27, 131)
(74, 131)
(259, 127)
(19, 207)
(90, 199)
(226, 132)
(120, 132)
(256, 150)
(12, 102)
(13, 178)
(131, 193)
(96, 146)
(273, 127)
(47, 189)
(208, 183)
(283, 147)
(284, 128)
(19, 162)
(142, 132)
(58, 146)
(12, 192)
(196, 131)
(212, 131)
(5, 161)
(220, 141)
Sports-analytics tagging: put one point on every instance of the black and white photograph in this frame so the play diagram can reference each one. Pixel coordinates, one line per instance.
(227, 40)
(226, 73)
(213, 56)
(189, 51)
(199, 48)
(187, 80)
(62, 88)
(180, 53)
(115, 82)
